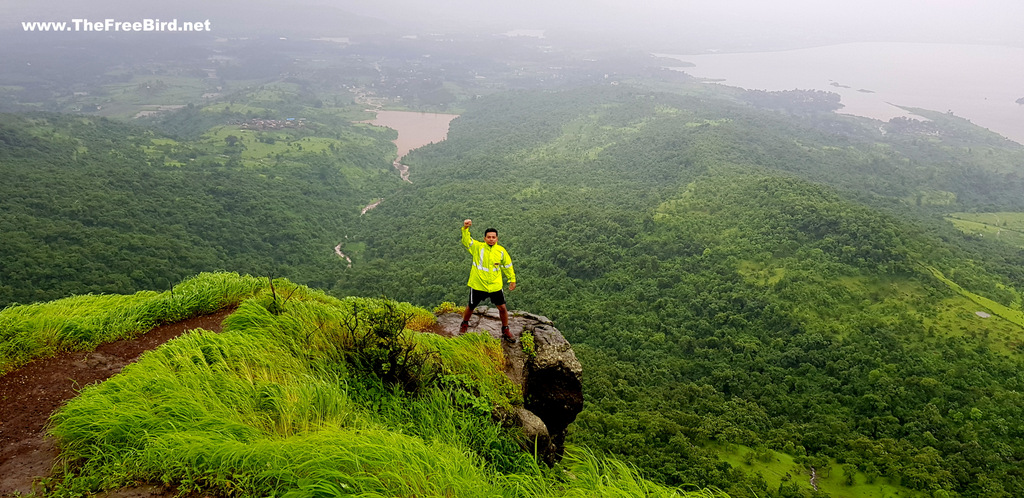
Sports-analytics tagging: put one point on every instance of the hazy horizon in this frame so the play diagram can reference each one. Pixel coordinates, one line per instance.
(728, 24)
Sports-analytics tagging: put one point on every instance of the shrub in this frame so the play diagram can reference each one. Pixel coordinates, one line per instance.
(381, 345)
(447, 307)
(528, 346)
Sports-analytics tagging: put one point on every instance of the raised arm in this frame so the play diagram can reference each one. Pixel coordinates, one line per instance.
(467, 240)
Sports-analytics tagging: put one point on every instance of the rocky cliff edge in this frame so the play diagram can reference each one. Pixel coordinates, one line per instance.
(549, 375)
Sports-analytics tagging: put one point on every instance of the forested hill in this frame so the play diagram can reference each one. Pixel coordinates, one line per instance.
(96, 205)
(756, 285)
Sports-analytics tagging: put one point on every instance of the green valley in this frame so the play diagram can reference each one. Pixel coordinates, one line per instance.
(724, 286)
(755, 285)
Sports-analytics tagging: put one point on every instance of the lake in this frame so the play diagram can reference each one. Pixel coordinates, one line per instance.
(415, 129)
(977, 82)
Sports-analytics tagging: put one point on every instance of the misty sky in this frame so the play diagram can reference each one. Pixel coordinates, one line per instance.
(994, 21)
(734, 23)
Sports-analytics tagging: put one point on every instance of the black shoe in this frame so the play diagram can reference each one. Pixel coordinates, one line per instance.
(463, 327)
(507, 335)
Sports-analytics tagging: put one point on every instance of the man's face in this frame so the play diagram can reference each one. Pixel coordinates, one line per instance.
(491, 238)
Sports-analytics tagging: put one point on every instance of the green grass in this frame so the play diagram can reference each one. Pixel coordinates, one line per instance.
(952, 316)
(354, 250)
(761, 274)
(83, 322)
(932, 198)
(239, 108)
(777, 468)
(1009, 314)
(142, 92)
(161, 148)
(162, 89)
(585, 138)
(287, 145)
(1006, 227)
(891, 297)
(274, 92)
(271, 407)
(350, 113)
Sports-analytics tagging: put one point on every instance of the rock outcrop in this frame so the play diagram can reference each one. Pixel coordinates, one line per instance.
(550, 376)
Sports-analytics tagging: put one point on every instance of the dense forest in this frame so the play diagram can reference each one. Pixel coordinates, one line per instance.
(95, 205)
(731, 274)
(735, 269)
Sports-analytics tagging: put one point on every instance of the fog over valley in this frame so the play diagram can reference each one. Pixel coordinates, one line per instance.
(729, 24)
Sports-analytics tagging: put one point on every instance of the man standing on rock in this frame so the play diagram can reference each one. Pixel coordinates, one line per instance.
(490, 261)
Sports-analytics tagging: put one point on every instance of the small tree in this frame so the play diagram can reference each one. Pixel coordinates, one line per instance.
(849, 471)
(381, 345)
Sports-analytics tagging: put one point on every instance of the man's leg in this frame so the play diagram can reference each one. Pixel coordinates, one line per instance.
(464, 326)
(503, 313)
(505, 332)
(473, 301)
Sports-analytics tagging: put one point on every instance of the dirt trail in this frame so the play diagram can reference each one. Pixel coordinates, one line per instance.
(403, 170)
(337, 250)
(375, 204)
(31, 393)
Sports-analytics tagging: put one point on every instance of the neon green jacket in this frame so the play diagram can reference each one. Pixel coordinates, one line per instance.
(489, 263)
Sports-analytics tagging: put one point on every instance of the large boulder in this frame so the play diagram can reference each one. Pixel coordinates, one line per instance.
(549, 375)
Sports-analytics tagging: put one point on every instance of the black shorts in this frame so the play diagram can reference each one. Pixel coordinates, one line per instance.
(475, 296)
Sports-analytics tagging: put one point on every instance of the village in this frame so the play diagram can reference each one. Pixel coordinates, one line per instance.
(272, 124)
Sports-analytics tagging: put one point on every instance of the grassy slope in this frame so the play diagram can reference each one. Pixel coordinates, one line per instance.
(1005, 227)
(778, 468)
(83, 322)
(1014, 316)
(274, 406)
